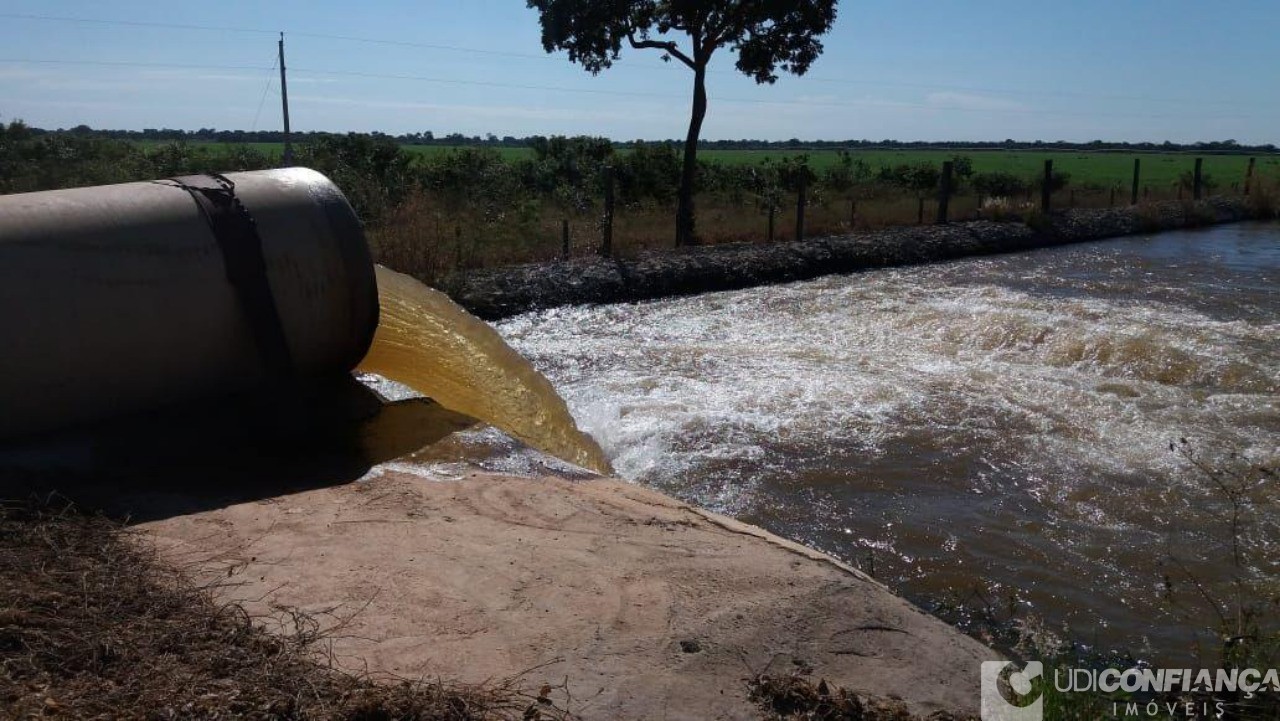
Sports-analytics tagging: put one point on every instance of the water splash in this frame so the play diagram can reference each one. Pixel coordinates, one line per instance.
(429, 343)
(1002, 420)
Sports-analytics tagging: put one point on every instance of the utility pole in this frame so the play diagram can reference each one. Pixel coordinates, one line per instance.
(284, 101)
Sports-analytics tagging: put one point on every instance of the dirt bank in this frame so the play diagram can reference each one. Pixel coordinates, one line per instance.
(643, 606)
(502, 292)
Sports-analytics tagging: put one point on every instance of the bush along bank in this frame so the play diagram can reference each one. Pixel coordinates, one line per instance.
(502, 292)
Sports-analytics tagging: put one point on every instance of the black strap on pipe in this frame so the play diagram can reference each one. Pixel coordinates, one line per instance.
(237, 235)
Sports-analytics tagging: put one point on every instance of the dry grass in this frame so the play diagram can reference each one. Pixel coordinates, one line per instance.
(1264, 198)
(433, 237)
(799, 698)
(92, 626)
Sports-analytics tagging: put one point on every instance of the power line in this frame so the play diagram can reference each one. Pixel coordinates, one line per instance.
(630, 93)
(133, 64)
(757, 101)
(318, 36)
(1011, 91)
(427, 46)
(545, 56)
(133, 23)
(271, 76)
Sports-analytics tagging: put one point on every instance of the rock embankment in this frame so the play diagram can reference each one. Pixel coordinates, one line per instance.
(503, 292)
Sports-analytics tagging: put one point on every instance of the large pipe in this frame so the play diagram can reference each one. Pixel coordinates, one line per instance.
(126, 297)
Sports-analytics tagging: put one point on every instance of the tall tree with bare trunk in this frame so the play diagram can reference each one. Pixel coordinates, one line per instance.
(768, 36)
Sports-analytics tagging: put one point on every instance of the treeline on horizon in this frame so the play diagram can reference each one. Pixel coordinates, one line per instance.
(428, 138)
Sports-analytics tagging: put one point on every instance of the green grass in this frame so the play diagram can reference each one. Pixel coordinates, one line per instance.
(1159, 170)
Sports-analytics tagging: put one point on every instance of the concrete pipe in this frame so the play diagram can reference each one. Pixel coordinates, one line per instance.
(126, 297)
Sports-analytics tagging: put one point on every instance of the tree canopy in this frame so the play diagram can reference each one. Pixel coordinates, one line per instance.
(767, 36)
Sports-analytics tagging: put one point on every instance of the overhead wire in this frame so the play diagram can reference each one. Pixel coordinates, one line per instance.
(625, 93)
(271, 77)
(544, 56)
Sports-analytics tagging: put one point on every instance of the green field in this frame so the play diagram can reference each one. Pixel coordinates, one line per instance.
(1106, 169)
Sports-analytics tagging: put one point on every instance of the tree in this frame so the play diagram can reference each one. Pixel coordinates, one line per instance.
(767, 35)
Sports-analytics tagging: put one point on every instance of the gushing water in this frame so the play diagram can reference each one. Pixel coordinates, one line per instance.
(996, 426)
(429, 343)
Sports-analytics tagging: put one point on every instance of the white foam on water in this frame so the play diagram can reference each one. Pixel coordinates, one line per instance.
(999, 421)
(1067, 387)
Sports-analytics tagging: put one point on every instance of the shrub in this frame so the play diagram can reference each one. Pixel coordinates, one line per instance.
(1187, 181)
(373, 171)
(919, 178)
(1058, 180)
(649, 172)
(847, 172)
(999, 185)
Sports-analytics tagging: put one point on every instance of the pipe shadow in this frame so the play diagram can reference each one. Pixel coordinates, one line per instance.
(201, 456)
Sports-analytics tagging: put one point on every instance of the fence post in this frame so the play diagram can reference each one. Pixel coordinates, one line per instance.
(920, 210)
(606, 229)
(1196, 180)
(457, 246)
(801, 200)
(944, 190)
(772, 210)
(1248, 176)
(1071, 198)
(853, 213)
(1112, 202)
(564, 238)
(1137, 174)
(1046, 188)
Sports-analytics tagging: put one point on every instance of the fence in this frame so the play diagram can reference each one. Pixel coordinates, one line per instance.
(588, 234)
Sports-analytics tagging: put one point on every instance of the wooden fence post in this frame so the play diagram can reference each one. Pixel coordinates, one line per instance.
(1071, 198)
(1112, 203)
(606, 229)
(1046, 188)
(801, 200)
(920, 210)
(1248, 177)
(944, 190)
(853, 213)
(1196, 180)
(564, 238)
(1137, 174)
(772, 210)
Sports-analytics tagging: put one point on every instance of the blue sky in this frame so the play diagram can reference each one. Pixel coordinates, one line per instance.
(922, 70)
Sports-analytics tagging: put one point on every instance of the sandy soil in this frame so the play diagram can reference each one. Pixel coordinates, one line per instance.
(645, 607)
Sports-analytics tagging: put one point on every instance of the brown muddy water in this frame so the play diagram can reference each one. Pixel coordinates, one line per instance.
(427, 342)
(992, 433)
